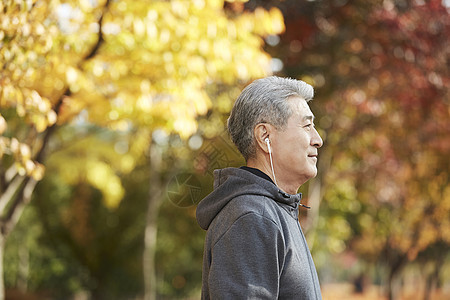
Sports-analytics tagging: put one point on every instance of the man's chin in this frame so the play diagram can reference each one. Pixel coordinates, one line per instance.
(313, 174)
(313, 171)
(308, 177)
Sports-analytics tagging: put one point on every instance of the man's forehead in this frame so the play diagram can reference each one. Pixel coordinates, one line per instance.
(300, 107)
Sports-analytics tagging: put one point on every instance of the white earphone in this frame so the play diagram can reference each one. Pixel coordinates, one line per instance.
(268, 145)
(270, 156)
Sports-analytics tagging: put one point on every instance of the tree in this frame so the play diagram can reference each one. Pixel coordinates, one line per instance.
(123, 65)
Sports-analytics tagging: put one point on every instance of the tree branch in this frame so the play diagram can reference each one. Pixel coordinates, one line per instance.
(10, 173)
(10, 191)
(100, 39)
(41, 155)
(3, 184)
(17, 207)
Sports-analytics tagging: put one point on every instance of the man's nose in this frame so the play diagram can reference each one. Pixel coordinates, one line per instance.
(316, 140)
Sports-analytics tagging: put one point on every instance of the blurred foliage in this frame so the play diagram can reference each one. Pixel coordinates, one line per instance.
(120, 77)
(84, 246)
(89, 87)
(121, 63)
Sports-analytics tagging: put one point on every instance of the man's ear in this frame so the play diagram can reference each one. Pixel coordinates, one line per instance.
(261, 132)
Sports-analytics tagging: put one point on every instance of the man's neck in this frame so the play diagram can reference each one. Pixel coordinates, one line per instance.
(260, 165)
(264, 166)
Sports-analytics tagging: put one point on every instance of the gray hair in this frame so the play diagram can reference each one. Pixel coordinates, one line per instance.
(263, 101)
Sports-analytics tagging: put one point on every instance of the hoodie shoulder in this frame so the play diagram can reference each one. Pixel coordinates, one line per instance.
(229, 184)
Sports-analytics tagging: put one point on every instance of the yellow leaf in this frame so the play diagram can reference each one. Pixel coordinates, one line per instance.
(277, 21)
(101, 176)
(71, 75)
(3, 124)
(38, 172)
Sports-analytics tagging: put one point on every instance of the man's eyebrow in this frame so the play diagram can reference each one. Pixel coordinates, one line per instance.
(308, 117)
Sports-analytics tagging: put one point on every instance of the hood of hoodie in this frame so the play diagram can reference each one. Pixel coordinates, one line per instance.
(230, 183)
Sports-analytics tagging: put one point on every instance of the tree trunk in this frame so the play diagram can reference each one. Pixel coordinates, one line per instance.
(2, 251)
(432, 280)
(428, 287)
(394, 269)
(154, 202)
(24, 269)
(11, 218)
(390, 292)
(315, 194)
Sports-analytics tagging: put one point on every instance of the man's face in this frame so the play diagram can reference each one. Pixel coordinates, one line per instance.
(295, 146)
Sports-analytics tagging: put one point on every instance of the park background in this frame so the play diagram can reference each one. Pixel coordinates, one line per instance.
(113, 118)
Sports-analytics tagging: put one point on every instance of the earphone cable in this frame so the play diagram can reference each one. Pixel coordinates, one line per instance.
(271, 165)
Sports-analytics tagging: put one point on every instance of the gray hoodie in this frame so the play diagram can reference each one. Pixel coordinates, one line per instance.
(254, 247)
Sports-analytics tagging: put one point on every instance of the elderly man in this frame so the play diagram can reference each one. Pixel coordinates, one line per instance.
(255, 247)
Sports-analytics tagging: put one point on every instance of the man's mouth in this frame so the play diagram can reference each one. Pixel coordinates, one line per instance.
(314, 156)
